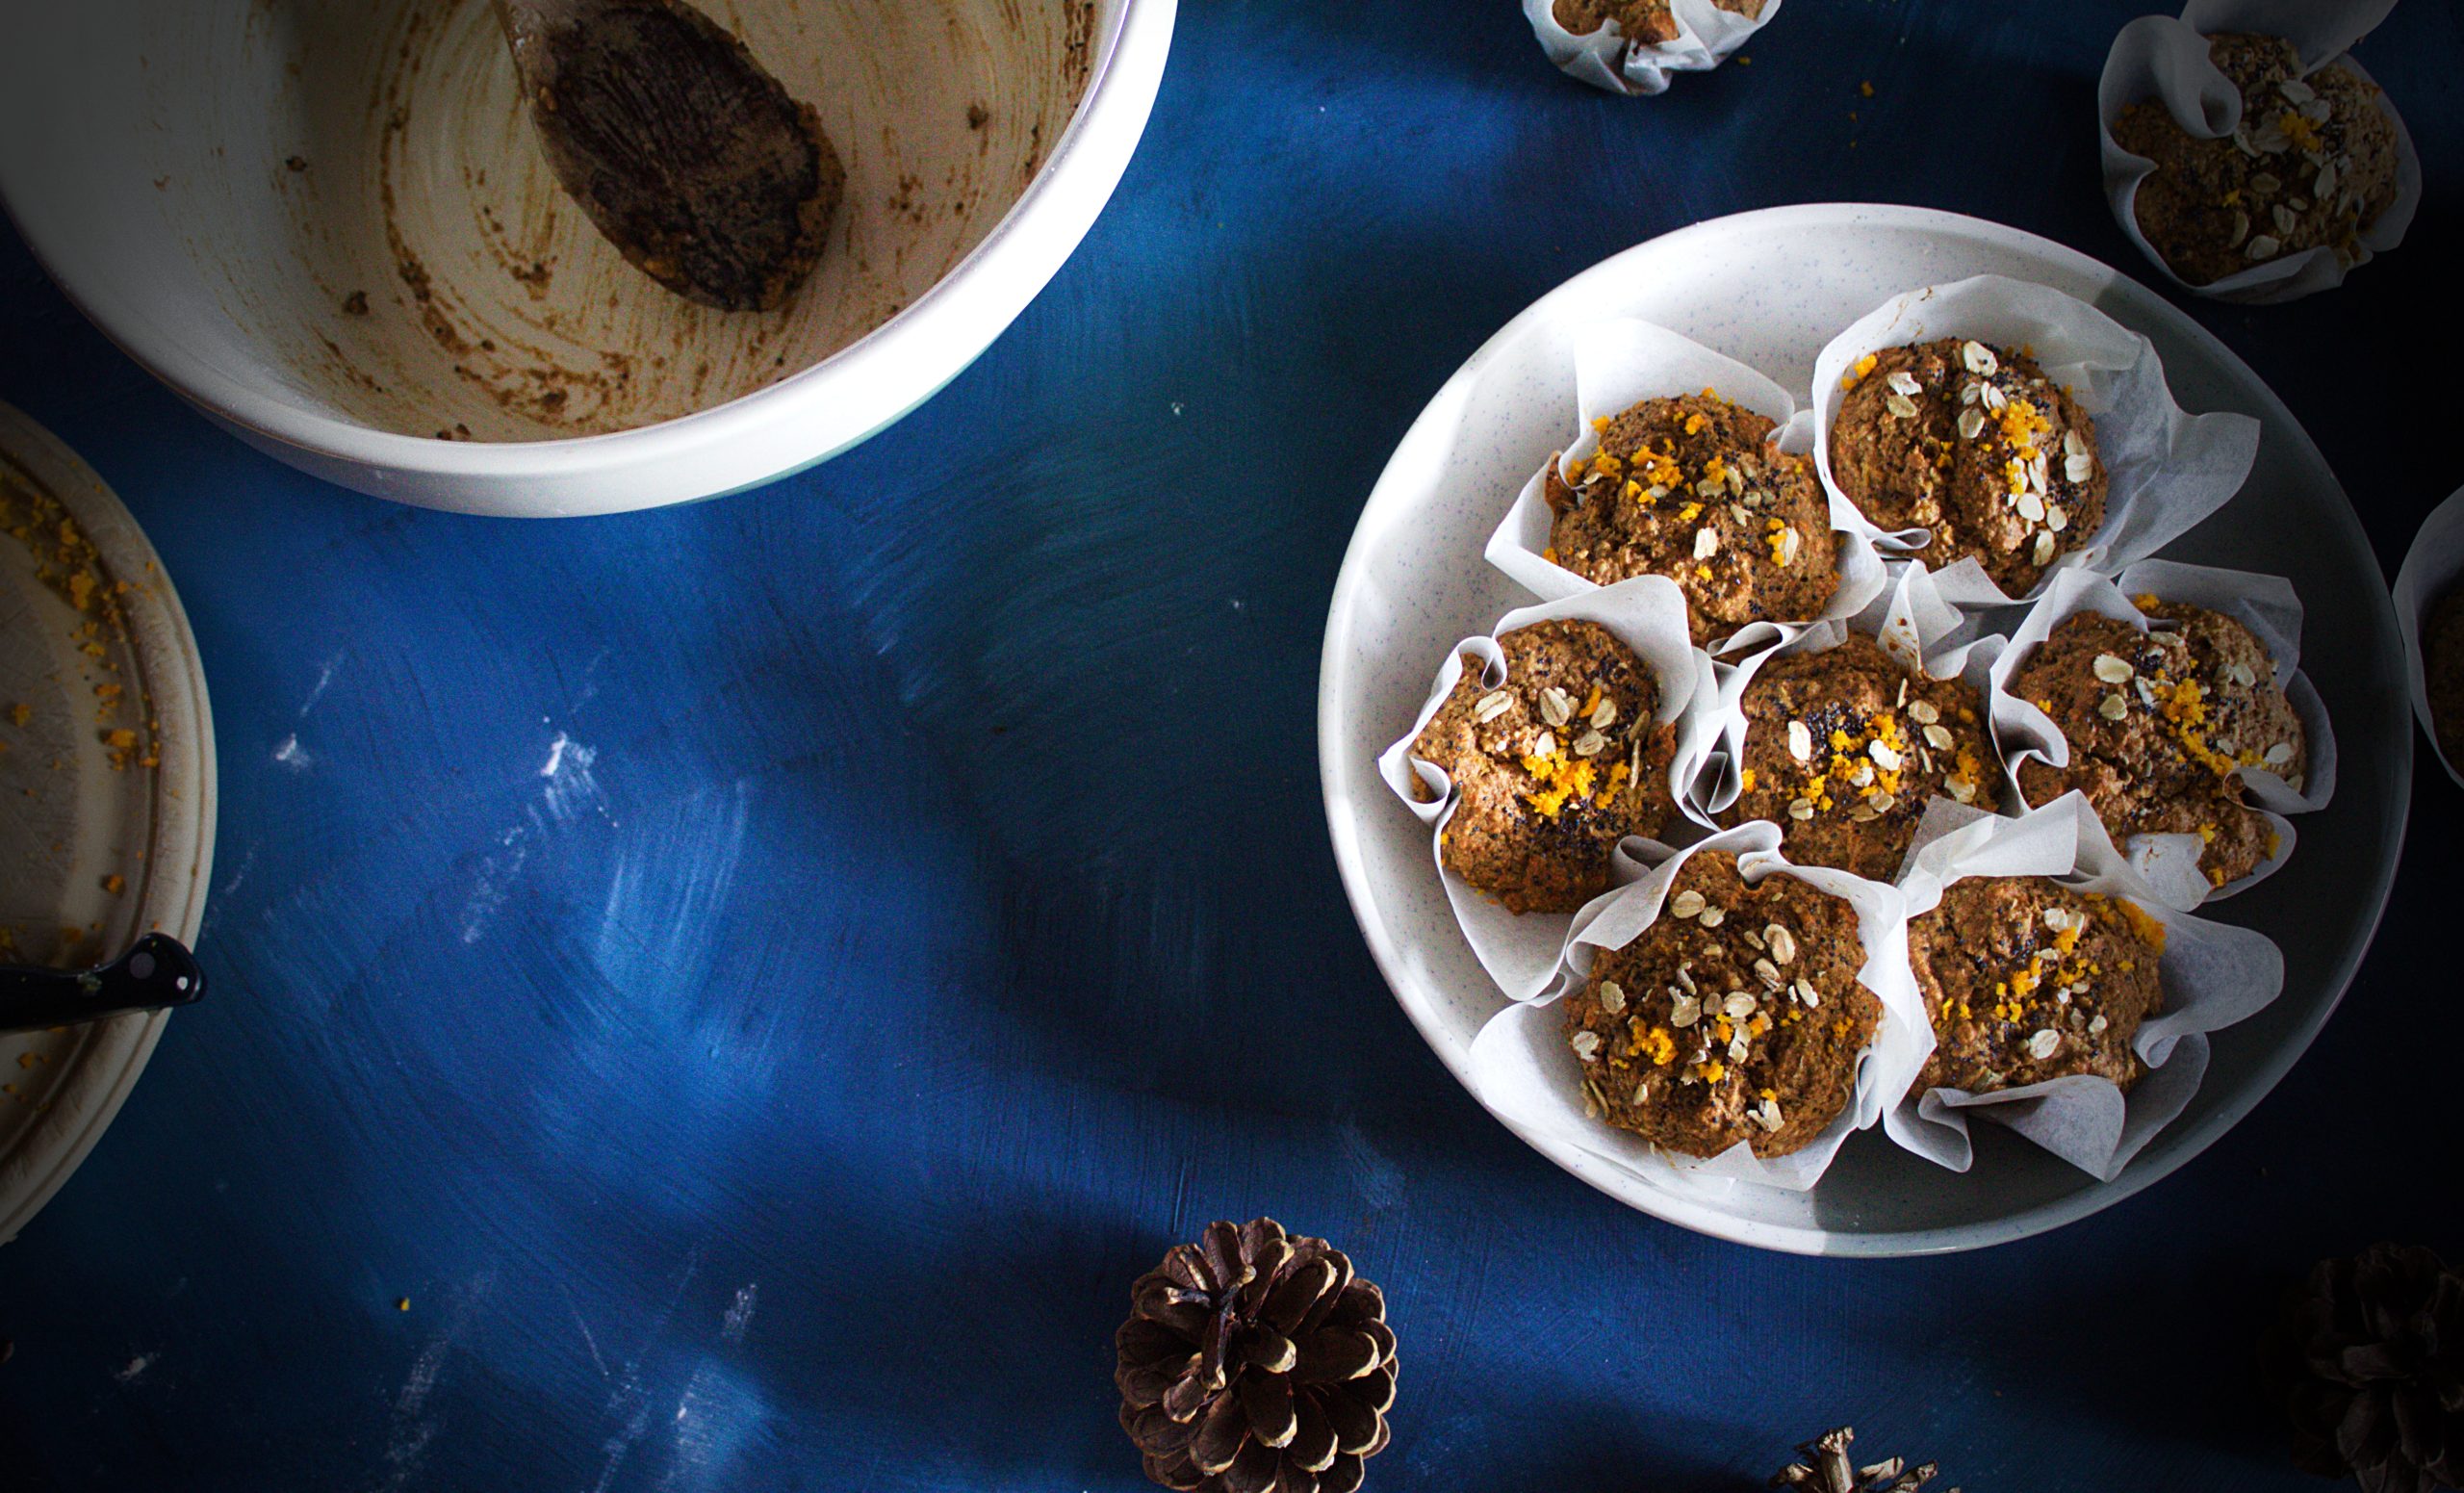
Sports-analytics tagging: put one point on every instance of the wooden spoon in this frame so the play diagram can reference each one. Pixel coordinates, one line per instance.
(687, 154)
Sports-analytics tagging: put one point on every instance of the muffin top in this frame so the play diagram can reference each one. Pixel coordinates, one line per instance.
(1736, 1015)
(1645, 21)
(2159, 722)
(2025, 980)
(1697, 489)
(1974, 443)
(2312, 164)
(1554, 767)
(1843, 748)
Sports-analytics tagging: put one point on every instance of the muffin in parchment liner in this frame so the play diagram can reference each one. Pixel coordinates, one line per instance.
(2020, 432)
(1554, 789)
(1687, 1066)
(1682, 461)
(2168, 726)
(2429, 613)
(1842, 733)
(2255, 200)
(2061, 989)
(1671, 37)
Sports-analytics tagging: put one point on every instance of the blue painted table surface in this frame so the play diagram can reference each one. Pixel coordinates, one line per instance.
(762, 978)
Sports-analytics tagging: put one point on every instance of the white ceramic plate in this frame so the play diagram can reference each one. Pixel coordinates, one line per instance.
(1769, 288)
(101, 837)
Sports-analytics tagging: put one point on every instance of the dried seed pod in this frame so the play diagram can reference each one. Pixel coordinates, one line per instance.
(1253, 1361)
(1826, 1468)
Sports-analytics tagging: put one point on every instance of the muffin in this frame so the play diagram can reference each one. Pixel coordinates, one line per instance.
(1844, 748)
(1696, 489)
(1735, 1017)
(1554, 767)
(2442, 672)
(1647, 22)
(1976, 444)
(2026, 980)
(2312, 165)
(2159, 721)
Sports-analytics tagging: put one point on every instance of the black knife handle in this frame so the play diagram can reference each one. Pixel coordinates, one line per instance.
(157, 973)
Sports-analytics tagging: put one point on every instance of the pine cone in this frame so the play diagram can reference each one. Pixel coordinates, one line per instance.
(2367, 1363)
(1827, 1469)
(1255, 1362)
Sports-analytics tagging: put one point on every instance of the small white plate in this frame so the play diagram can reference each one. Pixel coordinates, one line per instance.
(1769, 289)
(101, 839)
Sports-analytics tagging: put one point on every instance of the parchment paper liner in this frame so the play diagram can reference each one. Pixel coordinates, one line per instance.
(2215, 974)
(1521, 1066)
(1647, 614)
(1706, 36)
(1912, 622)
(2157, 57)
(1617, 364)
(2167, 469)
(2264, 603)
(2432, 567)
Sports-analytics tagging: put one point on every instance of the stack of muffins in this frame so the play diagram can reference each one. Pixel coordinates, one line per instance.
(1736, 1015)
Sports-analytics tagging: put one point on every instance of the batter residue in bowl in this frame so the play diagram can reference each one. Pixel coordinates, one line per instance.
(449, 287)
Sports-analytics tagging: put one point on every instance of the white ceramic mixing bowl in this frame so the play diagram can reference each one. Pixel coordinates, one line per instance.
(325, 222)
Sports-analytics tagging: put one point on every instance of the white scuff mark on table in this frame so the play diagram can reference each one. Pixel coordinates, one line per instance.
(291, 754)
(671, 881)
(569, 791)
(1380, 1179)
(136, 1369)
(630, 1398)
(222, 894)
(590, 679)
(739, 1314)
(620, 1446)
(700, 1418)
(497, 872)
(589, 1339)
(411, 1429)
(422, 1382)
(324, 680)
(711, 1413)
(248, 864)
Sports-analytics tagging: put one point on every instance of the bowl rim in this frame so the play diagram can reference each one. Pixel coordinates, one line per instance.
(2190, 1134)
(264, 418)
